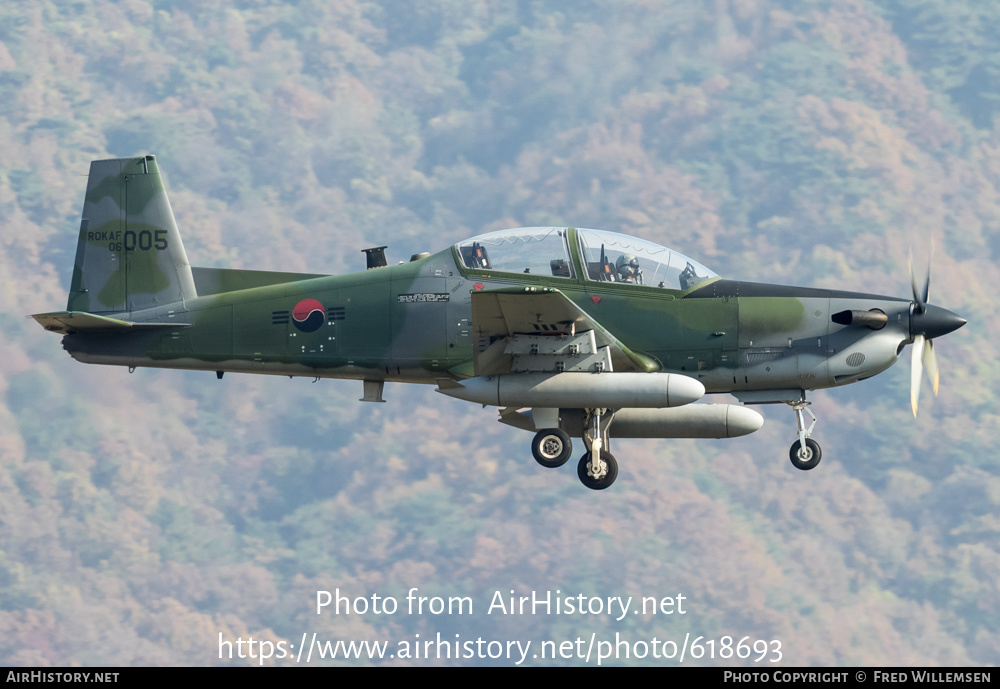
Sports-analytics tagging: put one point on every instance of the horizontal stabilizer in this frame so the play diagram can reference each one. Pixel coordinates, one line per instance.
(69, 322)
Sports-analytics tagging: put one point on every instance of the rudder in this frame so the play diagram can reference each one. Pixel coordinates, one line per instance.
(129, 254)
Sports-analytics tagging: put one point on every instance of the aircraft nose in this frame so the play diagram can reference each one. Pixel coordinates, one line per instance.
(934, 321)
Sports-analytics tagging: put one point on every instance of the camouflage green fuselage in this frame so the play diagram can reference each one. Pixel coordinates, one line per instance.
(412, 323)
(565, 329)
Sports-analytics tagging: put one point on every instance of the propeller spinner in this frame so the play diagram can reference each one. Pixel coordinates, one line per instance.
(926, 323)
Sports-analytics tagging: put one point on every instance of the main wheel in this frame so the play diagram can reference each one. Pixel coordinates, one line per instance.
(805, 459)
(611, 473)
(551, 447)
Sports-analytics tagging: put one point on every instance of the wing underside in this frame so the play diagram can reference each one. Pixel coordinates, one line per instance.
(530, 329)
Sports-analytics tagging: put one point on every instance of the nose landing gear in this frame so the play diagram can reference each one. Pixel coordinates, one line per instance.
(805, 452)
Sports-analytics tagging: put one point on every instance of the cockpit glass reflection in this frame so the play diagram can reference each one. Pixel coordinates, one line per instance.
(527, 250)
(613, 257)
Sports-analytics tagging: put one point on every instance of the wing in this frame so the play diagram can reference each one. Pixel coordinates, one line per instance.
(539, 329)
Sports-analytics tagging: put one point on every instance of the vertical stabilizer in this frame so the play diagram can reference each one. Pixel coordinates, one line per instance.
(129, 255)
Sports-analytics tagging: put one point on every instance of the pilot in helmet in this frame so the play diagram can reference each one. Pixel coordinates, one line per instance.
(628, 269)
(689, 277)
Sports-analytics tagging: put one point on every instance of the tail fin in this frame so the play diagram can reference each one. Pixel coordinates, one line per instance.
(129, 255)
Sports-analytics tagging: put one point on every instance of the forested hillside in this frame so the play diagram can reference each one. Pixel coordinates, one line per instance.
(810, 142)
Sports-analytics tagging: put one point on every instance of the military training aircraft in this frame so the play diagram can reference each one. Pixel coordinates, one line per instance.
(571, 332)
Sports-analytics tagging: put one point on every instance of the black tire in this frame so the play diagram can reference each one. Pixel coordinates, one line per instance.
(805, 460)
(551, 447)
(583, 471)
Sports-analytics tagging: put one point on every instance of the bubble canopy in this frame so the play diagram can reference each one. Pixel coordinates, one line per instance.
(604, 257)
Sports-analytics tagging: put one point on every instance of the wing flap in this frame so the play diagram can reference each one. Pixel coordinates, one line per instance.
(501, 315)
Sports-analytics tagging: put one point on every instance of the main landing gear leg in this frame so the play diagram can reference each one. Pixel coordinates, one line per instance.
(805, 452)
(598, 468)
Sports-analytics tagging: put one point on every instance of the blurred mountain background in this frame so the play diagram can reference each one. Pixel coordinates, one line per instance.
(810, 142)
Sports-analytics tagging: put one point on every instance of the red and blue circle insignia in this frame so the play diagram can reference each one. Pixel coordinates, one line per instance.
(308, 315)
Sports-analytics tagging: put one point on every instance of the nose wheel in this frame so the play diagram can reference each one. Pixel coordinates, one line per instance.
(805, 452)
(805, 458)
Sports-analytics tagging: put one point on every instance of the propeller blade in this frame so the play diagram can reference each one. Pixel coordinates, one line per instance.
(926, 323)
(913, 280)
(920, 295)
(930, 363)
(927, 281)
(916, 371)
